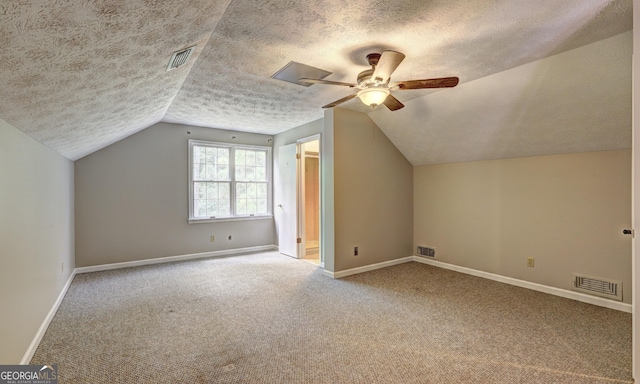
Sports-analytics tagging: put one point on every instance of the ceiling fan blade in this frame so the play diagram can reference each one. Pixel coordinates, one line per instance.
(344, 99)
(389, 61)
(443, 82)
(328, 82)
(392, 103)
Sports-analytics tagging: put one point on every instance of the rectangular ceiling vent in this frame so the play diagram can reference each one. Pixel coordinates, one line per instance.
(294, 71)
(426, 251)
(180, 58)
(610, 289)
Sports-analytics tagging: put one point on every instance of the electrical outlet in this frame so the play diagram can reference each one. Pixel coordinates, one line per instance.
(229, 238)
(531, 262)
(212, 238)
(355, 251)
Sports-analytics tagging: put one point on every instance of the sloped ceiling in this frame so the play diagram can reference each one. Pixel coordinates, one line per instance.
(80, 75)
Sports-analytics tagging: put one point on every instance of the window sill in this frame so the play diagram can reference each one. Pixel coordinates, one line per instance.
(222, 219)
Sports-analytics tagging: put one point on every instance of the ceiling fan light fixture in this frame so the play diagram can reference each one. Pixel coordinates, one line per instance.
(373, 97)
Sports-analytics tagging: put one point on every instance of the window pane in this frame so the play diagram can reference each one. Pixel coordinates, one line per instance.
(212, 207)
(251, 191)
(212, 191)
(223, 156)
(196, 171)
(199, 190)
(223, 172)
(250, 173)
(210, 155)
(251, 206)
(210, 163)
(211, 199)
(240, 157)
(251, 157)
(224, 192)
(197, 154)
(241, 207)
(261, 174)
(261, 191)
(241, 190)
(224, 203)
(261, 158)
(240, 173)
(199, 169)
(262, 206)
(200, 208)
(251, 198)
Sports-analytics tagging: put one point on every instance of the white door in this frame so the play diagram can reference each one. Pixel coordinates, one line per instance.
(286, 201)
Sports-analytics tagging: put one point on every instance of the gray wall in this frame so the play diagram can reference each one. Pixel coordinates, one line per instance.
(373, 193)
(132, 200)
(566, 211)
(36, 236)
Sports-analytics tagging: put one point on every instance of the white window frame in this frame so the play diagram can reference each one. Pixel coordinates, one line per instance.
(232, 148)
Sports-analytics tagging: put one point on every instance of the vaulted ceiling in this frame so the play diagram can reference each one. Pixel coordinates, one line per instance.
(536, 78)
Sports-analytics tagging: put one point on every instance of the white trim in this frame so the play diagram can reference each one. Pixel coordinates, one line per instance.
(28, 355)
(602, 302)
(232, 147)
(367, 268)
(529, 285)
(170, 259)
(235, 218)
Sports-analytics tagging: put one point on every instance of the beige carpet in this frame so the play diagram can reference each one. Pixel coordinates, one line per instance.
(267, 318)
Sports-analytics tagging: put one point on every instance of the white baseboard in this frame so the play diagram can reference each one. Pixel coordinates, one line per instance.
(47, 320)
(170, 259)
(367, 268)
(602, 302)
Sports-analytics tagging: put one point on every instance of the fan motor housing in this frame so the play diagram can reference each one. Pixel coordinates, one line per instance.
(365, 76)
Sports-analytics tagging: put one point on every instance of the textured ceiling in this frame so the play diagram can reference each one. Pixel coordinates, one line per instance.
(81, 75)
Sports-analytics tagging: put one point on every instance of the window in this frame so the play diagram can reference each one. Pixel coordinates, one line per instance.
(228, 181)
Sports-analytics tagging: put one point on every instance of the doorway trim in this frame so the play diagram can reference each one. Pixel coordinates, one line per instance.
(301, 195)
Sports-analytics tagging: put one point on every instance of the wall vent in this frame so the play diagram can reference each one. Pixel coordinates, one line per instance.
(597, 286)
(426, 251)
(180, 58)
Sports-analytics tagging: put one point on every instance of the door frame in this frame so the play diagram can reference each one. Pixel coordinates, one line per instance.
(301, 194)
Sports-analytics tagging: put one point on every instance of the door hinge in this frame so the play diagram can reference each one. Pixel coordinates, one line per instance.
(298, 156)
(299, 240)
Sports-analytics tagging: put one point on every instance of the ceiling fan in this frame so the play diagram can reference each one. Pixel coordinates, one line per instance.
(374, 86)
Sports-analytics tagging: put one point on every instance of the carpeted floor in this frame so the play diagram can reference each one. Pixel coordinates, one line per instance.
(267, 318)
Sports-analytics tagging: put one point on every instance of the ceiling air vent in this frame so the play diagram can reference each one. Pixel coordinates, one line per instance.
(294, 71)
(597, 286)
(179, 58)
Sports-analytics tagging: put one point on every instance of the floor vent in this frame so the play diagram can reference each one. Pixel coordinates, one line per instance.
(426, 251)
(180, 58)
(597, 286)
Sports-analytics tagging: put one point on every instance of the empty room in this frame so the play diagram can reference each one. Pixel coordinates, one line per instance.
(318, 192)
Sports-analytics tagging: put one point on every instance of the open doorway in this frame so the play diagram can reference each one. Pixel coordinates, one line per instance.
(298, 199)
(309, 200)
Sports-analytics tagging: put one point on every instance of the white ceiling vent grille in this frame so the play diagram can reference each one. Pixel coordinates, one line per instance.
(180, 58)
(294, 71)
(597, 286)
